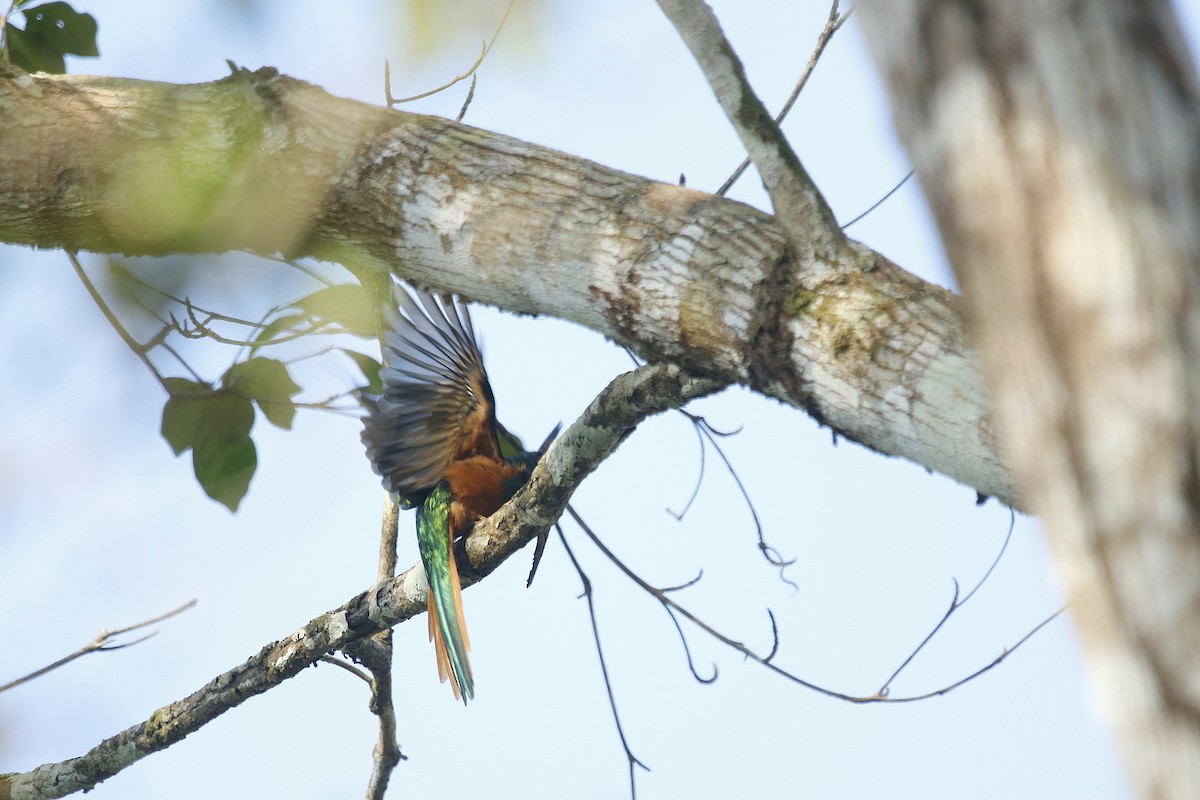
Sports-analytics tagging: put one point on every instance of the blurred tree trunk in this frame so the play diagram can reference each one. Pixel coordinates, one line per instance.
(1059, 145)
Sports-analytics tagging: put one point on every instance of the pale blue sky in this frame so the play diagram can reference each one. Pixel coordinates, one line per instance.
(101, 526)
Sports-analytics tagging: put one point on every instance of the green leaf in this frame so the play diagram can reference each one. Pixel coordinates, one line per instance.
(224, 469)
(223, 454)
(347, 305)
(369, 368)
(51, 31)
(183, 411)
(267, 382)
(63, 27)
(215, 425)
(274, 328)
(31, 55)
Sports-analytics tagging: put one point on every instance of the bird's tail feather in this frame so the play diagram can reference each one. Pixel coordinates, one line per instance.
(447, 626)
(448, 632)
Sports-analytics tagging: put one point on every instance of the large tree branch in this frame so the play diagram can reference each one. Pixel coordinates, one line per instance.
(614, 413)
(800, 209)
(1057, 143)
(266, 163)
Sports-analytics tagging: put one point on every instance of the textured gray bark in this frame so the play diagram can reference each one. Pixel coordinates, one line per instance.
(265, 163)
(1059, 145)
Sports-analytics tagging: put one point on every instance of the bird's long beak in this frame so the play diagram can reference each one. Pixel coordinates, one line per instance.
(549, 440)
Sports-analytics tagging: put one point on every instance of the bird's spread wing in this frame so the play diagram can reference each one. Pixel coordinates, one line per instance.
(437, 406)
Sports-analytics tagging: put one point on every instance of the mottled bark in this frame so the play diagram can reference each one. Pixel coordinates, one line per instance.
(1059, 146)
(265, 163)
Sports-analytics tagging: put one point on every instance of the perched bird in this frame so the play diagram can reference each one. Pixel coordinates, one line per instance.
(433, 438)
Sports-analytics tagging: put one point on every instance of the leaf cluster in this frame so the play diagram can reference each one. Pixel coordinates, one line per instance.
(214, 420)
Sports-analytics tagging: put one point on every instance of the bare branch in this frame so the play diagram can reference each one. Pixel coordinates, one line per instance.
(955, 604)
(392, 102)
(679, 515)
(627, 400)
(608, 687)
(619, 408)
(1008, 651)
(832, 25)
(673, 607)
(340, 664)
(102, 642)
(462, 112)
(376, 653)
(801, 210)
(880, 201)
(139, 350)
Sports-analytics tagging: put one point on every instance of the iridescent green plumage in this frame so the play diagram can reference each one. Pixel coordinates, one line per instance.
(446, 624)
(434, 439)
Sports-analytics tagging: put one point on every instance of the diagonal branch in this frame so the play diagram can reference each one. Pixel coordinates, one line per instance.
(799, 207)
(102, 643)
(832, 26)
(610, 417)
(615, 412)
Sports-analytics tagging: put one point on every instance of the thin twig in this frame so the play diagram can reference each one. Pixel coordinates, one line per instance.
(392, 102)
(699, 477)
(202, 329)
(880, 201)
(955, 604)
(687, 650)
(1008, 651)
(377, 652)
(773, 556)
(304, 268)
(767, 661)
(612, 699)
(124, 273)
(102, 643)
(705, 430)
(353, 670)
(831, 27)
(462, 112)
(138, 350)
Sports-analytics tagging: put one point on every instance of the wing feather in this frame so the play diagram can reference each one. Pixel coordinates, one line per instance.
(437, 405)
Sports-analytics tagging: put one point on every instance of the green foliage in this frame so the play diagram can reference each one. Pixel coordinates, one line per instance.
(223, 454)
(347, 306)
(268, 383)
(183, 412)
(283, 325)
(344, 308)
(370, 370)
(215, 423)
(51, 31)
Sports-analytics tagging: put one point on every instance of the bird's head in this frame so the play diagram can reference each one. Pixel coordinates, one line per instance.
(527, 461)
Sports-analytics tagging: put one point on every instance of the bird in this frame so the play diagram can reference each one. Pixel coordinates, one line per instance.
(433, 438)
